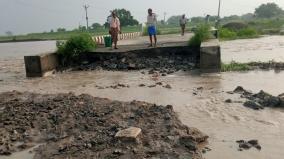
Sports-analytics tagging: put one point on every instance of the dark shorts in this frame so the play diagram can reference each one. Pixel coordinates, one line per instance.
(152, 30)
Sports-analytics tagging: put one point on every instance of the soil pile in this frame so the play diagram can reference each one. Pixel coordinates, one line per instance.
(71, 126)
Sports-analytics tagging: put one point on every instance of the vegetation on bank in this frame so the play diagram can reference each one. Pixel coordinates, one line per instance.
(69, 50)
(230, 34)
(235, 66)
(201, 34)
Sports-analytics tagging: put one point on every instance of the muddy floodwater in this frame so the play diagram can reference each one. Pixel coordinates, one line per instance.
(198, 99)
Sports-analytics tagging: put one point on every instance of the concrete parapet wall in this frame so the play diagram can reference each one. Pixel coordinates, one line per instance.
(39, 65)
(210, 56)
(100, 39)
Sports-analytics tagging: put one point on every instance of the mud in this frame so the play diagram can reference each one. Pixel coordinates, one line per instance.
(84, 127)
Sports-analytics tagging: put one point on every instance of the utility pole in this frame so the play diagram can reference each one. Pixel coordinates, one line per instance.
(165, 17)
(87, 19)
(219, 8)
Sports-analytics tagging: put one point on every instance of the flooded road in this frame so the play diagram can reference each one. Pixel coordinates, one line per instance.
(198, 99)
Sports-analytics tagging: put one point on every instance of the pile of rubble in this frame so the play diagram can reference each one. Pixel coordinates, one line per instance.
(70, 126)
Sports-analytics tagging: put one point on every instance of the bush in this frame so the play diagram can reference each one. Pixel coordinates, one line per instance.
(145, 31)
(74, 46)
(225, 33)
(201, 34)
(247, 33)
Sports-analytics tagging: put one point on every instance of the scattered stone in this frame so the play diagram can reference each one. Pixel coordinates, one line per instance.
(228, 101)
(142, 85)
(128, 134)
(245, 145)
(254, 105)
(168, 86)
(239, 89)
(151, 86)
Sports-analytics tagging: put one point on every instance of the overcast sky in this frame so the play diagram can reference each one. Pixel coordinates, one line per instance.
(24, 16)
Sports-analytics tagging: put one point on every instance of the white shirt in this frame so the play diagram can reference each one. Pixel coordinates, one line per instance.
(183, 21)
(152, 20)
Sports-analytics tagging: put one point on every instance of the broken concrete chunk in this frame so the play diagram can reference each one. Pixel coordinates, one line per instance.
(128, 134)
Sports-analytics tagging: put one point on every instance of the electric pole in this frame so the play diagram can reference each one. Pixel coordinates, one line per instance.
(165, 17)
(87, 19)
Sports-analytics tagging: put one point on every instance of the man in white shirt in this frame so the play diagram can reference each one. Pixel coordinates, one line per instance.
(151, 24)
(182, 23)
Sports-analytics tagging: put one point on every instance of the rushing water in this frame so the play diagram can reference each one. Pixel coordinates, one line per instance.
(204, 108)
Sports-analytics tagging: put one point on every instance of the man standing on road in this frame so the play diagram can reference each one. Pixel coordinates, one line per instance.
(182, 23)
(151, 24)
(114, 29)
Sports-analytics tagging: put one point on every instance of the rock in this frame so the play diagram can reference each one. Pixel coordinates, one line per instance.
(188, 142)
(132, 66)
(239, 89)
(168, 86)
(200, 88)
(159, 83)
(128, 134)
(253, 105)
(142, 85)
(253, 142)
(151, 86)
(197, 135)
(228, 101)
(281, 98)
(118, 152)
(258, 147)
(245, 145)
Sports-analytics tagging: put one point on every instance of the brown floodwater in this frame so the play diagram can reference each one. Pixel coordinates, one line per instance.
(204, 108)
(224, 123)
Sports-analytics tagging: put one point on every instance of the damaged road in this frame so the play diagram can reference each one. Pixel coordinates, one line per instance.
(70, 126)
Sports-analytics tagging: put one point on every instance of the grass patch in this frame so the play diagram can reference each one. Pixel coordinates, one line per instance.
(229, 34)
(234, 66)
(69, 50)
(201, 34)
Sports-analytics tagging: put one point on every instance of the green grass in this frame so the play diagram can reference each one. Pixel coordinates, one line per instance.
(234, 66)
(246, 33)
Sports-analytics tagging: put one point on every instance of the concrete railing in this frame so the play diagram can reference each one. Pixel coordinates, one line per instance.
(100, 39)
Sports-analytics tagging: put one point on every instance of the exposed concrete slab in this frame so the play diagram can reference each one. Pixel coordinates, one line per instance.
(210, 56)
(129, 134)
(40, 65)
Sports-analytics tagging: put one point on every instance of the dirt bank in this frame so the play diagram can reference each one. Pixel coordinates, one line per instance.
(82, 126)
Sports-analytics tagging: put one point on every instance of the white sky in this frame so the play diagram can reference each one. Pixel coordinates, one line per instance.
(24, 16)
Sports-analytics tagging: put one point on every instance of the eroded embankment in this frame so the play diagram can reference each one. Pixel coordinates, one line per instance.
(83, 126)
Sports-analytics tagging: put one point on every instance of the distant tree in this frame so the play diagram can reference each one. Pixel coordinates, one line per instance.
(9, 33)
(95, 26)
(51, 31)
(197, 19)
(61, 30)
(248, 16)
(174, 20)
(125, 17)
(232, 18)
(82, 28)
(268, 10)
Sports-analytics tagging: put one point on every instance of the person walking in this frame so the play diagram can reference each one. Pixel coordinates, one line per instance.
(152, 30)
(182, 23)
(114, 29)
